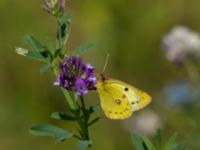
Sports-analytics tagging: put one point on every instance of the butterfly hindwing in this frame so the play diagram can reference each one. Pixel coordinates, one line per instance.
(114, 103)
(137, 98)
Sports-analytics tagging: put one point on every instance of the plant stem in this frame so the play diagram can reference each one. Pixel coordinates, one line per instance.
(82, 116)
(85, 119)
(67, 95)
(59, 33)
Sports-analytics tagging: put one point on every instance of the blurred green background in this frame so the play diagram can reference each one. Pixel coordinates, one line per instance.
(130, 31)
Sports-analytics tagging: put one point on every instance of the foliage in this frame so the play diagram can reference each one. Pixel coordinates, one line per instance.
(144, 143)
(51, 59)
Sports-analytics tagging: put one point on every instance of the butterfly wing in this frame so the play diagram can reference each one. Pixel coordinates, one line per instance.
(113, 102)
(138, 98)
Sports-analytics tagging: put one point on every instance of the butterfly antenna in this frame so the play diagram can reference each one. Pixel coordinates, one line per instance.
(106, 62)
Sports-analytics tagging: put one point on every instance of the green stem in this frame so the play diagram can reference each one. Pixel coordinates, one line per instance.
(85, 119)
(59, 32)
(67, 95)
(81, 119)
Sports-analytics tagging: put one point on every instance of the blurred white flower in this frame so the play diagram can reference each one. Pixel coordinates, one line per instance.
(145, 123)
(180, 43)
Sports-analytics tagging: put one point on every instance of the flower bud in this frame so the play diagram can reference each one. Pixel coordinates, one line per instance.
(54, 7)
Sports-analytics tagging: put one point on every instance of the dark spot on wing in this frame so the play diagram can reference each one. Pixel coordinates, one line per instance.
(118, 101)
(123, 96)
(126, 89)
(133, 103)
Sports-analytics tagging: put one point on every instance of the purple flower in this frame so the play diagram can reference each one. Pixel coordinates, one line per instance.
(54, 7)
(62, 5)
(81, 87)
(76, 76)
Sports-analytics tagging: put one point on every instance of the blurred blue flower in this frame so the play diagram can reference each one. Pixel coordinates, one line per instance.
(180, 93)
(180, 44)
(76, 76)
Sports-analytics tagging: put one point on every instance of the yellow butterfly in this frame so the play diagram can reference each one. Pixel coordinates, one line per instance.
(118, 99)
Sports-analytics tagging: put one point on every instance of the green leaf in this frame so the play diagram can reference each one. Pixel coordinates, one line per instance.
(45, 68)
(69, 99)
(148, 144)
(62, 116)
(36, 56)
(179, 147)
(33, 43)
(94, 121)
(170, 143)
(48, 130)
(137, 140)
(38, 51)
(75, 95)
(83, 49)
(64, 28)
(31, 54)
(158, 139)
(83, 144)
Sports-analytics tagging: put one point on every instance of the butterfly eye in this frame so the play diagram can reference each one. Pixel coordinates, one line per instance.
(126, 89)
